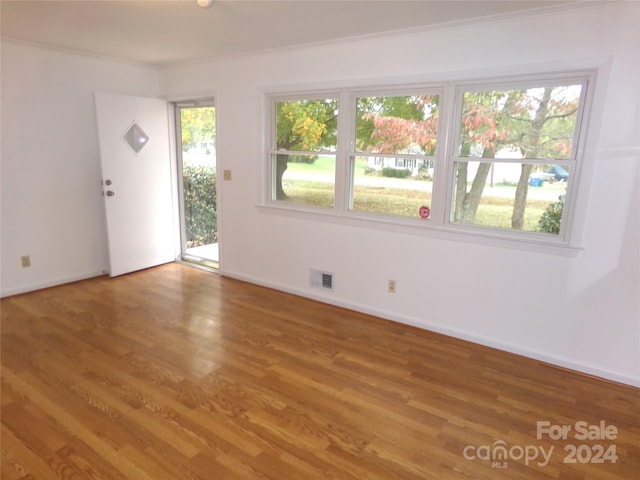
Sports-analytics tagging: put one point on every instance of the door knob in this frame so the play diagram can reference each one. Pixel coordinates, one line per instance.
(110, 193)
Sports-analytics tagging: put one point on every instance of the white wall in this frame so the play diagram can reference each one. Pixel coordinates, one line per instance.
(581, 312)
(51, 204)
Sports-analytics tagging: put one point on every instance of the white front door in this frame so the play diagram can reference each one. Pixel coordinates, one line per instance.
(137, 181)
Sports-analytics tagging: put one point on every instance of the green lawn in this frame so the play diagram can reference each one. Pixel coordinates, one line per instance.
(494, 211)
(322, 165)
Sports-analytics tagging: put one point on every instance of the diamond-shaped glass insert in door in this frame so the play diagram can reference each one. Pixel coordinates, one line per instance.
(135, 137)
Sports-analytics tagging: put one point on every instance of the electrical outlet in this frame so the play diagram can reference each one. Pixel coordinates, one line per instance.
(226, 175)
(26, 261)
(391, 286)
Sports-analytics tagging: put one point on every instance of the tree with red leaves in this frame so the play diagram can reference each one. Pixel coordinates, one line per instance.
(390, 125)
(537, 123)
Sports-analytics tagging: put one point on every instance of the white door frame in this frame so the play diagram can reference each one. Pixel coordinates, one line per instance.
(175, 106)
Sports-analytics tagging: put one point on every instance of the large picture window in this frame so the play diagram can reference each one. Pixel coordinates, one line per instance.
(498, 158)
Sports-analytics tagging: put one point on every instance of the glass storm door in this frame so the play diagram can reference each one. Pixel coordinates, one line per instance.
(196, 143)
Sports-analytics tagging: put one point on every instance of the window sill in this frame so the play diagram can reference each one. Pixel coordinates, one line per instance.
(538, 243)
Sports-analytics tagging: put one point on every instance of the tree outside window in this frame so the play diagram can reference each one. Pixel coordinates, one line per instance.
(393, 160)
(305, 133)
(534, 128)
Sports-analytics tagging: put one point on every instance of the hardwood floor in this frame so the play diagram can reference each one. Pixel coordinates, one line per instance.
(176, 373)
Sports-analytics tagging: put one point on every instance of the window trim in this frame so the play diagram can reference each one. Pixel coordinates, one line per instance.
(586, 78)
(566, 243)
(404, 90)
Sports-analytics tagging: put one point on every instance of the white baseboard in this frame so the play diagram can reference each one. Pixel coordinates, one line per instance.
(451, 332)
(49, 283)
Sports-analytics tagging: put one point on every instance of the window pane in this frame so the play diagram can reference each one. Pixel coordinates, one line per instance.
(509, 195)
(397, 124)
(527, 123)
(307, 125)
(305, 179)
(392, 186)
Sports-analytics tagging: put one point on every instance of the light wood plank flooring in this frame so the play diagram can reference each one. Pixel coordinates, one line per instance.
(176, 373)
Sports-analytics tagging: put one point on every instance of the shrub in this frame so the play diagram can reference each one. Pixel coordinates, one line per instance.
(552, 217)
(396, 172)
(200, 205)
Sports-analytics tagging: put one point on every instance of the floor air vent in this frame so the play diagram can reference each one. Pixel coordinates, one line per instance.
(322, 280)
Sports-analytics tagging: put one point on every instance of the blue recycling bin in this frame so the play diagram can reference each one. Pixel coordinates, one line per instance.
(536, 182)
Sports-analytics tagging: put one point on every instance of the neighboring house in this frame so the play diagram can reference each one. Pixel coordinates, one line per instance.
(416, 166)
(501, 173)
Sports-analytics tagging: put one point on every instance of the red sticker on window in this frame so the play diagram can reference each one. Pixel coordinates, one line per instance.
(424, 212)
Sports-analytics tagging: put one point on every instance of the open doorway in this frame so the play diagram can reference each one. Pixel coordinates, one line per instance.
(197, 180)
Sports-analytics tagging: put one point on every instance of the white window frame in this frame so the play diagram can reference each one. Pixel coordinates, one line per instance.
(271, 145)
(567, 242)
(388, 91)
(574, 162)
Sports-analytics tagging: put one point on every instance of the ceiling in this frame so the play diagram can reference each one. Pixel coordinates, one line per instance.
(165, 32)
